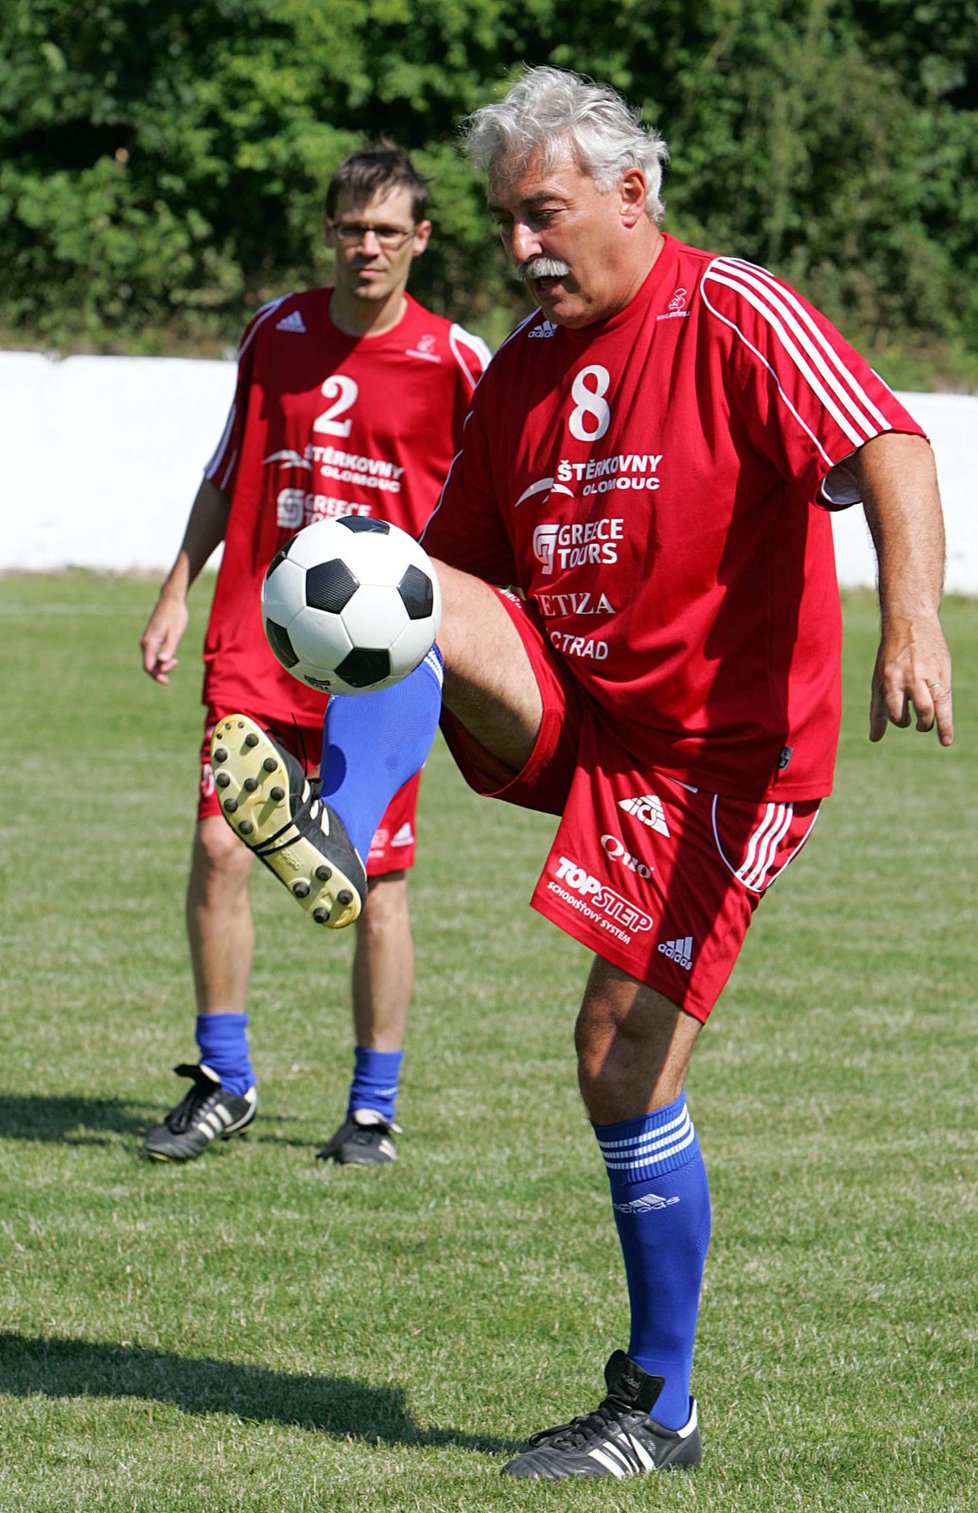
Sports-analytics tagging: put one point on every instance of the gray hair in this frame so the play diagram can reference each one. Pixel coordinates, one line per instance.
(550, 110)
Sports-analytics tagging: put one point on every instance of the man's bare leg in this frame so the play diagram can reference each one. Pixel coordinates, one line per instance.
(383, 965)
(489, 683)
(633, 1046)
(221, 1101)
(220, 928)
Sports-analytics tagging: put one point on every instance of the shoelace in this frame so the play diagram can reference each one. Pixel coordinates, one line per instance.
(365, 1134)
(187, 1110)
(605, 1416)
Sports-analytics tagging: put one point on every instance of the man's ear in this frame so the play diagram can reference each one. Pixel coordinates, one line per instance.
(633, 196)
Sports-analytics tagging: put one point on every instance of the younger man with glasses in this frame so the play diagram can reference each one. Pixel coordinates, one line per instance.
(349, 401)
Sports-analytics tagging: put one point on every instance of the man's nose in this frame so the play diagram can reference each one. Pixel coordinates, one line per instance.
(369, 242)
(525, 242)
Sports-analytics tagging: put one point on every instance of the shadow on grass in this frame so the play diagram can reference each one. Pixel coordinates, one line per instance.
(54, 1367)
(70, 1120)
(74, 1120)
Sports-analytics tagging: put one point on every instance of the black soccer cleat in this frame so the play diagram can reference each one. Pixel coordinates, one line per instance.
(365, 1139)
(618, 1439)
(267, 800)
(209, 1112)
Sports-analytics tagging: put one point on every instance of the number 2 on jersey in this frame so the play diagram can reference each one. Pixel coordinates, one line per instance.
(343, 392)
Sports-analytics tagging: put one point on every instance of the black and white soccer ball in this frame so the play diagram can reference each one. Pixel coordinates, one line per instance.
(350, 604)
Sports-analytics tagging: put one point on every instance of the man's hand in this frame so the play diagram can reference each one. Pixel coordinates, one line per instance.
(898, 483)
(162, 636)
(913, 666)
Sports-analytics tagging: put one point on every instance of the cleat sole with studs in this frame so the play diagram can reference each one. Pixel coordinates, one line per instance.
(253, 782)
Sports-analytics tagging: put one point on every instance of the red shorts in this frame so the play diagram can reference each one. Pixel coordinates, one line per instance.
(655, 876)
(392, 848)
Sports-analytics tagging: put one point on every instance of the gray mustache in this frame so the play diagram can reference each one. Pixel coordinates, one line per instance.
(541, 267)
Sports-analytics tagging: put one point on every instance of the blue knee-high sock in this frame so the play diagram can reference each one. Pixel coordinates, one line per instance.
(223, 1043)
(374, 742)
(662, 1209)
(375, 1079)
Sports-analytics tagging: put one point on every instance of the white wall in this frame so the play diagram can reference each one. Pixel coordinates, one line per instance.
(951, 422)
(103, 455)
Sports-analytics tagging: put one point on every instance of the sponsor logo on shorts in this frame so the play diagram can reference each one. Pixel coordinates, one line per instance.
(645, 1204)
(680, 951)
(647, 810)
(593, 899)
(615, 847)
(404, 836)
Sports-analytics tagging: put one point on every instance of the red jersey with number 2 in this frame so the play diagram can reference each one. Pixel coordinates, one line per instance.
(650, 482)
(324, 424)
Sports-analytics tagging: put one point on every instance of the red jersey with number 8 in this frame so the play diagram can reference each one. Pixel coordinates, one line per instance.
(631, 476)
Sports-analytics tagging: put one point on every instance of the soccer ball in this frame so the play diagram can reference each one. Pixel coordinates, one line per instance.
(350, 604)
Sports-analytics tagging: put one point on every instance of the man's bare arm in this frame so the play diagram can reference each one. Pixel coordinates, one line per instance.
(205, 531)
(898, 483)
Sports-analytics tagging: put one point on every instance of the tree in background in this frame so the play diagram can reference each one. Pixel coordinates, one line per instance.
(163, 164)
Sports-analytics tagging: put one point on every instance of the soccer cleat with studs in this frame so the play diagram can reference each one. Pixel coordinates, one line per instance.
(209, 1112)
(618, 1439)
(365, 1139)
(269, 802)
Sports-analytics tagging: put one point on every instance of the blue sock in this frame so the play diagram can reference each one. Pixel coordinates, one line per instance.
(374, 1084)
(374, 742)
(662, 1209)
(223, 1043)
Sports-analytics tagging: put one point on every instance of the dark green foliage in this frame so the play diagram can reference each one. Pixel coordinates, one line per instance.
(163, 164)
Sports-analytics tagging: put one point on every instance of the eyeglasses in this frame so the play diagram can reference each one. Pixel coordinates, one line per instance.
(390, 238)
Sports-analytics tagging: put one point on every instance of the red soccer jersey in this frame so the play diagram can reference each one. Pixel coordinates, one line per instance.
(324, 424)
(649, 482)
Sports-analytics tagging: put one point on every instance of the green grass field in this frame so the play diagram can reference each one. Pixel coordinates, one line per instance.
(253, 1333)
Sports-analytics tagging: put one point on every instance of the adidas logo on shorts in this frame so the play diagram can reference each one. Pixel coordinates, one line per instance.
(680, 951)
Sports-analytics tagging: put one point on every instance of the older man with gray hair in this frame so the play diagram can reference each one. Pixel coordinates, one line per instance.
(650, 458)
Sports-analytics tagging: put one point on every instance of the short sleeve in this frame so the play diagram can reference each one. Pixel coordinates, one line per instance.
(808, 400)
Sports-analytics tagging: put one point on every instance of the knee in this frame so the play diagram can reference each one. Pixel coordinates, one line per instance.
(599, 1043)
(632, 1053)
(219, 857)
(386, 908)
